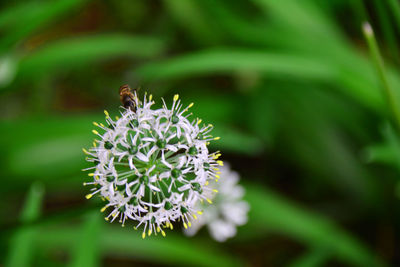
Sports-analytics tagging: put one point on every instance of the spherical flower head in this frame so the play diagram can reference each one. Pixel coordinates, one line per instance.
(152, 166)
(228, 211)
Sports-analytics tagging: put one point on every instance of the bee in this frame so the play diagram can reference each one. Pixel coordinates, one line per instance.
(127, 97)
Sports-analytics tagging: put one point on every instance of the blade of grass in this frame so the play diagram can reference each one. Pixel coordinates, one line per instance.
(22, 241)
(388, 91)
(387, 29)
(272, 212)
(315, 257)
(226, 61)
(86, 252)
(395, 7)
(124, 242)
(73, 52)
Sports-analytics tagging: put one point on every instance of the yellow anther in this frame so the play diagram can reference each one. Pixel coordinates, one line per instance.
(88, 196)
(200, 212)
(91, 174)
(216, 169)
(198, 122)
(194, 216)
(94, 144)
(216, 156)
(102, 125)
(115, 214)
(190, 105)
(206, 183)
(209, 200)
(216, 180)
(176, 97)
(163, 233)
(185, 225)
(217, 176)
(220, 163)
(218, 172)
(208, 143)
(95, 132)
(143, 235)
(116, 117)
(108, 198)
(217, 138)
(106, 218)
(95, 123)
(189, 224)
(103, 208)
(106, 113)
(123, 225)
(85, 151)
(150, 97)
(149, 232)
(171, 227)
(215, 190)
(158, 229)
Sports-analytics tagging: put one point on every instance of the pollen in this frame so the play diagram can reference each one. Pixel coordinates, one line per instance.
(88, 196)
(106, 113)
(220, 163)
(95, 132)
(176, 97)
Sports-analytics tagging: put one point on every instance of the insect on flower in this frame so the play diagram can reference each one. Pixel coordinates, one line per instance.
(127, 97)
(152, 166)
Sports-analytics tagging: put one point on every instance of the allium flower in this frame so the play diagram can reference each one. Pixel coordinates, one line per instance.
(228, 211)
(153, 165)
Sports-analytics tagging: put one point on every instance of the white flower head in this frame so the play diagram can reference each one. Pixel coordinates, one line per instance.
(228, 211)
(152, 166)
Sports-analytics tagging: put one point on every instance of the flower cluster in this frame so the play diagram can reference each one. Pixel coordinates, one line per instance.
(228, 211)
(153, 165)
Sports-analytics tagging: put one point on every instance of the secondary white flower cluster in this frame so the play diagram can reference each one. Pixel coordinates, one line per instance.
(228, 211)
(153, 166)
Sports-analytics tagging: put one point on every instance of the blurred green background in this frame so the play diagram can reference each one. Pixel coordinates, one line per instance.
(290, 86)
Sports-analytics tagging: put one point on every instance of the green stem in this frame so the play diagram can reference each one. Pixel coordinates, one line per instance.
(378, 61)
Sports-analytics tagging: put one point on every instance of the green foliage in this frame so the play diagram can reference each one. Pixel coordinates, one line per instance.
(290, 86)
(22, 242)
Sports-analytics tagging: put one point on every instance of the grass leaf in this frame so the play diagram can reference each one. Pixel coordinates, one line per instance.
(22, 241)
